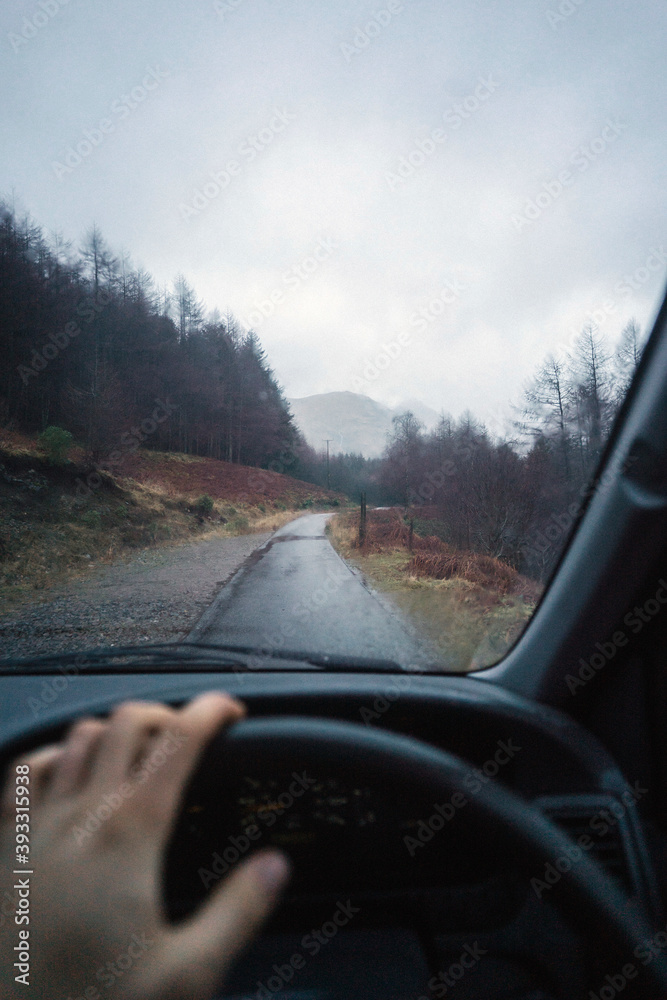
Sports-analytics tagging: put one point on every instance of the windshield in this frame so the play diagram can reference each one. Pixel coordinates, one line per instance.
(314, 317)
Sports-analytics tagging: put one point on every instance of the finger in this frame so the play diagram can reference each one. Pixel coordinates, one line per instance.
(130, 728)
(199, 709)
(41, 764)
(74, 765)
(198, 722)
(208, 943)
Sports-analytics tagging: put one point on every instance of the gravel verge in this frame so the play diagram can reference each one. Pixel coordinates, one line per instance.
(156, 596)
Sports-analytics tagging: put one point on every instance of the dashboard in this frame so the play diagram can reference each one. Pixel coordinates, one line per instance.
(420, 873)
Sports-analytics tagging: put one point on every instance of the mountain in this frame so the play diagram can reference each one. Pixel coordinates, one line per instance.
(352, 422)
(428, 417)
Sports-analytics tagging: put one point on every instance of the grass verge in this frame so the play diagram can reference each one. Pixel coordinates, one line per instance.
(472, 624)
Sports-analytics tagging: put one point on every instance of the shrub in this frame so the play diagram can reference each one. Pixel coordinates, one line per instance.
(204, 504)
(91, 519)
(56, 442)
(485, 571)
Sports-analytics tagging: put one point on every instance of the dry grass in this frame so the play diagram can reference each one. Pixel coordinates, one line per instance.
(387, 529)
(475, 568)
(53, 531)
(470, 606)
(192, 476)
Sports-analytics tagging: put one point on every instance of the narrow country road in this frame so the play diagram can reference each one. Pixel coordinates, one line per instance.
(296, 593)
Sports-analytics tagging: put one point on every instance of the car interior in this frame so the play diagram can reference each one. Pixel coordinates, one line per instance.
(500, 835)
(496, 834)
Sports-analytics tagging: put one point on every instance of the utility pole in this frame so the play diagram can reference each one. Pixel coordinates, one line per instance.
(328, 476)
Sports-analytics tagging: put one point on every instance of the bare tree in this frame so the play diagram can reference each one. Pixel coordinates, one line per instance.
(627, 357)
(102, 264)
(189, 309)
(404, 448)
(547, 407)
(592, 391)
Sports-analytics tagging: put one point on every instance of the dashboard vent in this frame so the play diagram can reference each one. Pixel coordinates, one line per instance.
(609, 847)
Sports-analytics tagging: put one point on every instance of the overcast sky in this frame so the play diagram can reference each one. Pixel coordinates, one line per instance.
(539, 184)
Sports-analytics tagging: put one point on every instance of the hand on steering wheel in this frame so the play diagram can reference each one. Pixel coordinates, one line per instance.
(102, 806)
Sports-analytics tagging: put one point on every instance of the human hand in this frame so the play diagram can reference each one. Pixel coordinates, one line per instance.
(96, 917)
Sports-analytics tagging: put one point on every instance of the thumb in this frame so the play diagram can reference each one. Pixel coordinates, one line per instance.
(208, 943)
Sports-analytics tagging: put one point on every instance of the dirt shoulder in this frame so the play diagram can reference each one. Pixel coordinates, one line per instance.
(157, 595)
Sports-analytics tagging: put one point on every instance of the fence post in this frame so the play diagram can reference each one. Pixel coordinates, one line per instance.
(362, 521)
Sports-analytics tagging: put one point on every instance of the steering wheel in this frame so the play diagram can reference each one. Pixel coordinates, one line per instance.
(584, 894)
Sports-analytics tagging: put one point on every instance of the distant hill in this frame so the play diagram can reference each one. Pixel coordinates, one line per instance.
(352, 422)
(422, 412)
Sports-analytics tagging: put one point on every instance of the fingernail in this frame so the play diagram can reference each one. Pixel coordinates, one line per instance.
(273, 870)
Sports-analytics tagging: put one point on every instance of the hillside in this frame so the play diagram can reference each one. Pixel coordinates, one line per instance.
(352, 422)
(192, 476)
(58, 520)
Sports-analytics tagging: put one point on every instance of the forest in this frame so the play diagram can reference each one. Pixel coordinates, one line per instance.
(515, 498)
(90, 344)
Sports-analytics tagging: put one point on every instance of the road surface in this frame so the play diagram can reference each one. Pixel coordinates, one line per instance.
(296, 593)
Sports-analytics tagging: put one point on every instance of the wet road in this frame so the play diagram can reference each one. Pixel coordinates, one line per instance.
(296, 593)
